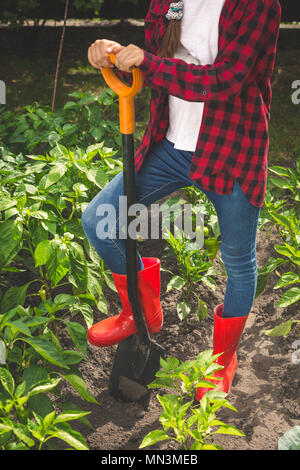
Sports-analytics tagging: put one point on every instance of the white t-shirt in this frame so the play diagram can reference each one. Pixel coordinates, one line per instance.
(198, 45)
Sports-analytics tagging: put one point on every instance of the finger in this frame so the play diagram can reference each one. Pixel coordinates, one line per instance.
(97, 57)
(96, 52)
(90, 58)
(94, 58)
(125, 60)
(100, 54)
(115, 49)
(93, 61)
(122, 55)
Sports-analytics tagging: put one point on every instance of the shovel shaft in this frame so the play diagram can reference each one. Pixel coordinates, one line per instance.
(127, 127)
(131, 248)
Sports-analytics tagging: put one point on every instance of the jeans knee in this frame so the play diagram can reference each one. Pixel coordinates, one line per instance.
(241, 263)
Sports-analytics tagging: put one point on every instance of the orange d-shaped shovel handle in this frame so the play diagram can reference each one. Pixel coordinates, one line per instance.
(126, 95)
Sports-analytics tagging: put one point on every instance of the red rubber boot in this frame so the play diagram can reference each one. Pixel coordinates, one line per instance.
(114, 329)
(227, 333)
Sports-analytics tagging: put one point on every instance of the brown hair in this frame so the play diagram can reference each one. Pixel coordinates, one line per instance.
(171, 39)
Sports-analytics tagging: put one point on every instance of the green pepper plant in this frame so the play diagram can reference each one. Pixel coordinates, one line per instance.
(282, 211)
(193, 266)
(190, 425)
(21, 427)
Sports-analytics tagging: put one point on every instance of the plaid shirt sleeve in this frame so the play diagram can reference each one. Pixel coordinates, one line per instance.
(231, 70)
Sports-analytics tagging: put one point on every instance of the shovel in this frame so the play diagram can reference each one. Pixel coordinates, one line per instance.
(138, 357)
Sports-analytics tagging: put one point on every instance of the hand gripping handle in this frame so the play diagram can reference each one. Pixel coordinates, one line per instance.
(126, 95)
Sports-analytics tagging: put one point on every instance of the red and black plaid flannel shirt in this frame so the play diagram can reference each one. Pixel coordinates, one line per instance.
(233, 138)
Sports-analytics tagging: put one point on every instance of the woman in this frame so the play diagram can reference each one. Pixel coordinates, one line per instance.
(209, 65)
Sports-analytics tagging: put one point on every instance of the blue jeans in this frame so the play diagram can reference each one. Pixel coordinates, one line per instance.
(164, 171)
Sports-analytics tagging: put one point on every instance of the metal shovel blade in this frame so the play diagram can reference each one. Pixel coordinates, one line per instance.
(134, 369)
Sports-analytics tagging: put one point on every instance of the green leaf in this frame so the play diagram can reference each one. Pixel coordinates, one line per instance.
(72, 357)
(48, 419)
(101, 178)
(49, 226)
(280, 183)
(183, 310)
(212, 368)
(290, 440)
(36, 321)
(47, 350)
(58, 264)
(4, 428)
(78, 335)
(169, 363)
(291, 296)
(13, 297)
(34, 374)
(285, 250)
(80, 386)
(281, 330)
(153, 437)
(207, 447)
(97, 176)
(7, 381)
(70, 415)
(40, 404)
(202, 310)
(173, 363)
(23, 434)
(78, 267)
(109, 281)
(40, 215)
(162, 382)
(209, 282)
(176, 282)
(227, 429)
(102, 306)
(86, 312)
(205, 384)
(63, 301)
(73, 438)
(55, 175)
(19, 325)
(279, 170)
(66, 407)
(43, 252)
(11, 234)
(43, 386)
(265, 272)
(94, 286)
(286, 279)
(7, 203)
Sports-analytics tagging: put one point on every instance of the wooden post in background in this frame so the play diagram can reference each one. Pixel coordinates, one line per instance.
(59, 55)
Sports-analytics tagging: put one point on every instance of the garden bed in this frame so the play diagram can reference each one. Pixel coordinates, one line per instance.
(265, 390)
